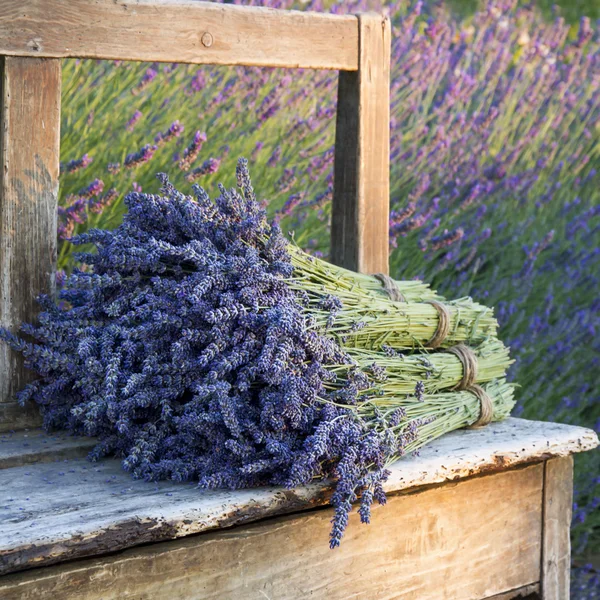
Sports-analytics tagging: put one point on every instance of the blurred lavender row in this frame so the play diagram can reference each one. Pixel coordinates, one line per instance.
(495, 184)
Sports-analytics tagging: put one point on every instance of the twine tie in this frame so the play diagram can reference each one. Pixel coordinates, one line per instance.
(469, 363)
(486, 406)
(443, 328)
(390, 287)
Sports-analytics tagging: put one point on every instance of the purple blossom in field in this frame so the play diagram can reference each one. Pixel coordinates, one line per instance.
(70, 215)
(143, 155)
(113, 168)
(275, 157)
(291, 203)
(198, 81)
(190, 154)
(257, 148)
(208, 167)
(137, 115)
(174, 131)
(397, 217)
(147, 79)
(97, 205)
(287, 180)
(76, 164)
(93, 189)
(447, 239)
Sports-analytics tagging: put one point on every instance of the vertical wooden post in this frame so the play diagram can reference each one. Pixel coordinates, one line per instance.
(360, 214)
(29, 159)
(556, 542)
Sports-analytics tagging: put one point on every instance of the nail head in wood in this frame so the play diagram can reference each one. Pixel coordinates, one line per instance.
(207, 39)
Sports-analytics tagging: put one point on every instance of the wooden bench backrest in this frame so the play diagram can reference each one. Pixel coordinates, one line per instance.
(36, 34)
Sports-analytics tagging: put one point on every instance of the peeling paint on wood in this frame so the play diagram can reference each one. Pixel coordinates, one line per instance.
(77, 508)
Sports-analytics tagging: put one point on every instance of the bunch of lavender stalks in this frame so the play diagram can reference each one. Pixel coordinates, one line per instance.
(365, 316)
(415, 393)
(199, 344)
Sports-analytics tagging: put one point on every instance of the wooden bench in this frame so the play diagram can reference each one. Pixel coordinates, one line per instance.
(480, 514)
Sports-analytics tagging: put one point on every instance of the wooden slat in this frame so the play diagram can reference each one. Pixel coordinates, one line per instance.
(29, 158)
(36, 447)
(13, 416)
(557, 512)
(463, 541)
(359, 223)
(178, 31)
(76, 509)
(527, 592)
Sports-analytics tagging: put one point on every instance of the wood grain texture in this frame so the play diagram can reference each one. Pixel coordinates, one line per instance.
(185, 31)
(77, 509)
(13, 416)
(527, 592)
(29, 157)
(417, 547)
(36, 447)
(361, 194)
(557, 513)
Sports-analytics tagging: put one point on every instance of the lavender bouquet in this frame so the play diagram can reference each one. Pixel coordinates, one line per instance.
(196, 346)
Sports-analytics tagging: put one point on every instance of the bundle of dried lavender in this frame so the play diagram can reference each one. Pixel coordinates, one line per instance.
(194, 347)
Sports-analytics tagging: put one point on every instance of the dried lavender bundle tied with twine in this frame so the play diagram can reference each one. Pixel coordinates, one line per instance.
(196, 348)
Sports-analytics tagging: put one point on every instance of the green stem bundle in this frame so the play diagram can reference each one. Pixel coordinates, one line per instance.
(369, 319)
(438, 413)
(437, 371)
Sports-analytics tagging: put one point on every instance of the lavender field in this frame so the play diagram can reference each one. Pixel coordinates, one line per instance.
(495, 185)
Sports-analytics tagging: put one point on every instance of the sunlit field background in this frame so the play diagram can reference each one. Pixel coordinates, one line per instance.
(495, 187)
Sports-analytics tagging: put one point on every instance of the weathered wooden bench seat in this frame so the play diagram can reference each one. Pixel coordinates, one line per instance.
(496, 531)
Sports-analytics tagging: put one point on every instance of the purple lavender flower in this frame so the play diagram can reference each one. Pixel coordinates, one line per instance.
(137, 115)
(97, 205)
(174, 131)
(93, 189)
(190, 154)
(275, 157)
(147, 79)
(257, 148)
(143, 155)
(76, 164)
(208, 167)
(447, 239)
(290, 204)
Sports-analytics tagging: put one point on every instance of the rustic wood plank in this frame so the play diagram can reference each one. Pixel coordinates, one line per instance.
(557, 513)
(527, 592)
(418, 547)
(29, 158)
(77, 509)
(178, 31)
(360, 212)
(34, 447)
(13, 416)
